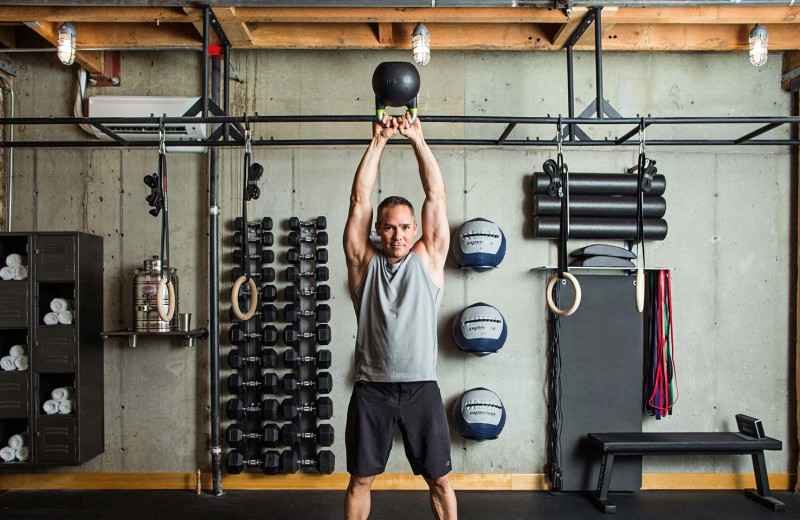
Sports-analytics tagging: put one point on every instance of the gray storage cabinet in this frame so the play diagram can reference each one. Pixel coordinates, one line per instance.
(60, 265)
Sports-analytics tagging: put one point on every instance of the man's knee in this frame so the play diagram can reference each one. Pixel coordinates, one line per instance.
(440, 484)
(358, 484)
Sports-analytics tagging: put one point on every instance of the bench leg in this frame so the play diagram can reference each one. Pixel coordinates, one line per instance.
(762, 494)
(600, 497)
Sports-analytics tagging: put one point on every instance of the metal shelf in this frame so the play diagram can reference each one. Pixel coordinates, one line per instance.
(133, 335)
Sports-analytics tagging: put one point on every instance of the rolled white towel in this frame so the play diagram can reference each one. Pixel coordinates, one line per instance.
(21, 363)
(65, 317)
(61, 304)
(65, 407)
(17, 351)
(62, 393)
(20, 272)
(7, 273)
(7, 454)
(17, 441)
(22, 453)
(7, 363)
(13, 260)
(51, 318)
(50, 407)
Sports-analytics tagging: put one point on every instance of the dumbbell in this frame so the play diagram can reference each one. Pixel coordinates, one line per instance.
(269, 462)
(320, 256)
(291, 462)
(266, 256)
(290, 435)
(267, 274)
(295, 223)
(265, 238)
(321, 238)
(268, 335)
(323, 381)
(267, 409)
(322, 312)
(320, 274)
(320, 292)
(292, 360)
(267, 359)
(268, 383)
(265, 223)
(267, 313)
(236, 437)
(323, 407)
(269, 293)
(322, 335)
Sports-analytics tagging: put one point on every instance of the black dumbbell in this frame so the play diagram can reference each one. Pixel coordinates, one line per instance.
(267, 313)
(266, 256)
(267, 409)
(265, 238)
(267, 359)
(269, 293)
(268, 335)
(290, 435)
(323, 407)
(320, 292)
(322, 381)
(320, 256)
(269, 462)
(268, 383)
(295, 223)
(321, 238)
(292, 360)
(320, 274)
(291, 462)
(322, 334)
(267, 274)
(236, 437)
(322, 312)
(265, 223)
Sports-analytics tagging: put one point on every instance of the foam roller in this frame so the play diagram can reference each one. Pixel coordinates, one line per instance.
(602, 228)
(606, 207)
(601, 184)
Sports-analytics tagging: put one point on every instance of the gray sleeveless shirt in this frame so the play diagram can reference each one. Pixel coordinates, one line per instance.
(396, 307)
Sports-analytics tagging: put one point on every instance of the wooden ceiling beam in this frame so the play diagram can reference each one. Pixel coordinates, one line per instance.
(747, 15)
(96, 14)
(132, 35)
(92, 61)
(566, 31)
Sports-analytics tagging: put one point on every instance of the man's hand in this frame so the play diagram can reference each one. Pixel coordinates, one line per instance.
(412, 131)
(387, 127)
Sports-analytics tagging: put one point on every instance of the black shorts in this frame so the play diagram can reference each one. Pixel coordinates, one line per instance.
(417, 408)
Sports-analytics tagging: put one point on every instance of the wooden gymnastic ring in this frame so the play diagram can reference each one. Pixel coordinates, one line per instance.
(575, 303)
(165, 284)
(640, 289)
(235, 299)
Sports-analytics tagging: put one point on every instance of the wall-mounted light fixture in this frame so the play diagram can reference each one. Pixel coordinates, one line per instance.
(421, 44)
(759, 37)
(67, 42)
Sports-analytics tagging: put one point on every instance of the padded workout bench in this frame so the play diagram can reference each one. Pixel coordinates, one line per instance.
(710, 443)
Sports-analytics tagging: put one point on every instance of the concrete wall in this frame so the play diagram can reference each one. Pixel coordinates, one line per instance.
(730, 212)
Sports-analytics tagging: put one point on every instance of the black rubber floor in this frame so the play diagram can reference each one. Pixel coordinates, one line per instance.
(386, 505)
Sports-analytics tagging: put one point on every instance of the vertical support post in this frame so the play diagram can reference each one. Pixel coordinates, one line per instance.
(206, 29)
(226, 86)
(213, 290)
(598, 61)
(570, 92)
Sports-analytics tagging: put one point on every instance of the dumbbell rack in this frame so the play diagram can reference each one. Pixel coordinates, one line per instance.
(305, 239)
(254, 240)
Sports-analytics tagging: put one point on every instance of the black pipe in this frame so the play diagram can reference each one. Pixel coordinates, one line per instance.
(206, 29)
(601, 184)
(226, 87)
(605, 207)
(570, 92)
(600, 228)
(598, 61)
(213, 291)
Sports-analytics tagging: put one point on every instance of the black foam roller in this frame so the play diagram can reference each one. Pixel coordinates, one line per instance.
(591, 206)
(602, 228)
(601, 184)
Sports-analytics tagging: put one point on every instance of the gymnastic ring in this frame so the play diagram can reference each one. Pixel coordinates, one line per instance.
(235, 298)
(165, 284)
(575, 303)
(640, 290)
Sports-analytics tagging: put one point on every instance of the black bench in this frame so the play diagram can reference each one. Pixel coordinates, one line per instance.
(711, 443)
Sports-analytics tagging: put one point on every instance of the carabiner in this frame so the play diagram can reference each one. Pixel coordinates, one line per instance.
(162, 136)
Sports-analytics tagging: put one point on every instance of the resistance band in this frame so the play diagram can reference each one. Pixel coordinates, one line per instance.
(160, 201)
(661, 384)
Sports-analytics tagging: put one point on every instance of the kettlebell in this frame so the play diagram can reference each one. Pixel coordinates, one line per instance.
(396, 84)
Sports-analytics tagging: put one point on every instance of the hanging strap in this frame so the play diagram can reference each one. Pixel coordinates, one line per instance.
(246, 195)
(165, 279)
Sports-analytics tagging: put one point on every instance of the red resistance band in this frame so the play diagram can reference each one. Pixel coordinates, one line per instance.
(661, 387)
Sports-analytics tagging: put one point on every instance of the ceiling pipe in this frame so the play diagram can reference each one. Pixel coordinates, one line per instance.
(429, 3)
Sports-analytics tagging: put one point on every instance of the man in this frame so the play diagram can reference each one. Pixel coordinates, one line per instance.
(396, 292)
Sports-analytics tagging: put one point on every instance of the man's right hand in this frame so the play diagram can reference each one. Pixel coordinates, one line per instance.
(387, 127)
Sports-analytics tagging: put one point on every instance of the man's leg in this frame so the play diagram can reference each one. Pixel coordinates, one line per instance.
(443, 498)
(357, 498)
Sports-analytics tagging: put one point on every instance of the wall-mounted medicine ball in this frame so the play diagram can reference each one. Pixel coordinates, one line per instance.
(480, 329)
(479, 414)
(479, 244)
